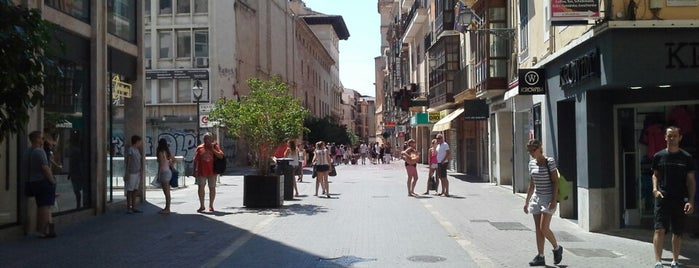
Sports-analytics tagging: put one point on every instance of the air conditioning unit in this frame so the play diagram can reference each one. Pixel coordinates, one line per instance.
(147, 63)
(201, 62)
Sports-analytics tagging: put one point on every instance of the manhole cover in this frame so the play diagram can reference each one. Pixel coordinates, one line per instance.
(345, 261)
(509, 226)
(479, 220)
(426, 259)
(593, 252)
(567, 237)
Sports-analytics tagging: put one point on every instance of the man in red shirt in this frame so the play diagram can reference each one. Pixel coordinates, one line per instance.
(204, 169)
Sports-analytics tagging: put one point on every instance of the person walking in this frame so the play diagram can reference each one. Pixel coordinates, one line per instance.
(443, 156)
(433, 167)
(165, 161)
(292, 153)
(411, 156)
(204, 169)
(132, 179)
(40, 184)
(323, 163)
(302, 161)
(363, 152)
(673, 188)
(541, 200)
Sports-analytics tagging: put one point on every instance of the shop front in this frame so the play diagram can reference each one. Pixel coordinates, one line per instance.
(607, 108)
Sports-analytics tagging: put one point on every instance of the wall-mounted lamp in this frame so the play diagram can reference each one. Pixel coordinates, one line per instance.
(467, 20)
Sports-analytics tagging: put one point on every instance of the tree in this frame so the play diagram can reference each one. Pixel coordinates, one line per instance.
(265, 119)
(24, 64)
(327, 129)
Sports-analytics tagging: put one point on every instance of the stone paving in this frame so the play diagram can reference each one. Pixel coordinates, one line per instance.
(369, 222)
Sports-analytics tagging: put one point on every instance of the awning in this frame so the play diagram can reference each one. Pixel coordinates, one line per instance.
(445, 123)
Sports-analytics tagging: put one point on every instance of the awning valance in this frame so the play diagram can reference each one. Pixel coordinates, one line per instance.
(445, 123)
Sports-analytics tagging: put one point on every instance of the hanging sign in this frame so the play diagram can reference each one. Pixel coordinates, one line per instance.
(532, 81)
(120, 89)
(574, 10)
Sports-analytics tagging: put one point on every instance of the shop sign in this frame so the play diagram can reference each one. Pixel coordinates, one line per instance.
(676, 51)
(579, 69)
(120, 89)
(177, 74)
(434, 117)
(682, 3)
(532, 81)
(419, 119)
(574, 10)
(476, 110)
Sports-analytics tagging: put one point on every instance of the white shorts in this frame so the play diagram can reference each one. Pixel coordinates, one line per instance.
(540, 204)
(164, 176)
(434, 165)
(132, 181)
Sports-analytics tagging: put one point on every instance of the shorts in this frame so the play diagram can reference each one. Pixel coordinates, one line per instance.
(322, 168)
(203, 180)
(669, 215)
(442, 170)
(164, 176)
(434, 166)
(132, 182)
(44, 192)
(540, 204)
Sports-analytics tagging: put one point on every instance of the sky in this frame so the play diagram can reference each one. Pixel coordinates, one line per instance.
(357, 53)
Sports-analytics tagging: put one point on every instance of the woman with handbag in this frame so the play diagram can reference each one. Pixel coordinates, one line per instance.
(204, 169)
(541, 200)
(323, 164)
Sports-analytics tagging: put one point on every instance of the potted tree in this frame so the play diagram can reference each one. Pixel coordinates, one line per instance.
(264, 119)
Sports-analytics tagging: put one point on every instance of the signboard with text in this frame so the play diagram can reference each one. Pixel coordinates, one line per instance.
(574, 10)
(178, 74)
(532, 81)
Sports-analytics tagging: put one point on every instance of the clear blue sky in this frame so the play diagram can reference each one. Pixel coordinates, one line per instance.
(358, 52)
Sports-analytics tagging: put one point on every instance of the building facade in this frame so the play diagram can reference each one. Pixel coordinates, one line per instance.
(101, 71)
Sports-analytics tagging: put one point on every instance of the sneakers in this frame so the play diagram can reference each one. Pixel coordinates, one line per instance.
(558, 255)
(538, 261)
(674, 264)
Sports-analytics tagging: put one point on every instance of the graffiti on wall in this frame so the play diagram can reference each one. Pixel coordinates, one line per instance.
(181, 143)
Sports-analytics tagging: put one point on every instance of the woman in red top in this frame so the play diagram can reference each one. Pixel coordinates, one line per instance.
(204, 169)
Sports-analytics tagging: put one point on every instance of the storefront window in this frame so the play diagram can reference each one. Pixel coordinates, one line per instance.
(121, 16)
(80, 9)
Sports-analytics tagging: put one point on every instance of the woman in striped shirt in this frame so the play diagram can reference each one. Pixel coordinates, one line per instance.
(541, 200)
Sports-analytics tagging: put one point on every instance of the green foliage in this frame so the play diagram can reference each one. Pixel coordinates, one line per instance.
(265, 119)
(329, 130)
(24, 63)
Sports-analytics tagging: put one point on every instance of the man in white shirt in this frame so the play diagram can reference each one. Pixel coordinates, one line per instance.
(443, 156)
(362, 152)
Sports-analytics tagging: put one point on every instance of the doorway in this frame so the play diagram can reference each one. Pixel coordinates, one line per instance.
(567, 150)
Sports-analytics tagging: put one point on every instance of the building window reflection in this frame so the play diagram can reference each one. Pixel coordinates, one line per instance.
(122, 19)
(79, 9)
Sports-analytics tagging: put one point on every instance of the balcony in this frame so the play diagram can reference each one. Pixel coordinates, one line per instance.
(414, 20)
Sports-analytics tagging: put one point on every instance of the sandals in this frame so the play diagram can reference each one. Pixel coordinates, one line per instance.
(201, 209)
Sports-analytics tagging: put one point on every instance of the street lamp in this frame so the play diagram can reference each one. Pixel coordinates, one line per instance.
(197, 91)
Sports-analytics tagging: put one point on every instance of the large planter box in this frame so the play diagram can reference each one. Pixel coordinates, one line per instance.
(263, 191)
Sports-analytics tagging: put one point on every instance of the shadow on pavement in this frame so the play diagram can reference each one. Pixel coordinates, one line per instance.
(151, 240)
(689, 249)
(287, 210)
(467, 178)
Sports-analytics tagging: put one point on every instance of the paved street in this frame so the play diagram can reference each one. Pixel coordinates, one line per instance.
(369, 222)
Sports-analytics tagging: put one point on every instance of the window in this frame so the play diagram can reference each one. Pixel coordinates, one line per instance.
(201, 43)
(146, 8)
(184, 44)
(121, 19)
(165, 91)
(79, 9)
(184, 91)
(146, 45)
(164, 7)
(165, 38)
(201, 6)
(183, 6)
(523, 29)
(147, 91)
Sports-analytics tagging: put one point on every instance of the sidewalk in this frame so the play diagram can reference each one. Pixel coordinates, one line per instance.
(369, 222)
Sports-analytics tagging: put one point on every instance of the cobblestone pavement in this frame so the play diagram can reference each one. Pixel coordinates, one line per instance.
(369, 222)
